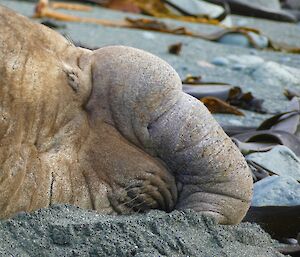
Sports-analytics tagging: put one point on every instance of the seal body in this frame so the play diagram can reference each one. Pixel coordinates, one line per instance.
(42, 123)
(109, 130)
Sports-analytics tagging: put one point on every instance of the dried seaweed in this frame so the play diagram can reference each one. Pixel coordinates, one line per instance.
(215, 105)
(175, 48)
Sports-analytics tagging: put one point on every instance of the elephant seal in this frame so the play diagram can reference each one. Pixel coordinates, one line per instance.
(109, 130)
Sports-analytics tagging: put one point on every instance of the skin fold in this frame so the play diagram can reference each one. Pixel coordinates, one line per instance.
(109, 130)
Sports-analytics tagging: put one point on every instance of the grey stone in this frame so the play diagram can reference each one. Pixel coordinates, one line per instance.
(275, 74)
(280, 160)
(220, 61)
(259, 40)
(241, 40)
(197, 7)
(246, 60)
(276, 191)
(235, 39)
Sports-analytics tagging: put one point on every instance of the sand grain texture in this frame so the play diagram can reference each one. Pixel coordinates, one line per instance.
(69, 231)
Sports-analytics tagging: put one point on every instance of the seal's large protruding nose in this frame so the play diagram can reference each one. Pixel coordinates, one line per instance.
(141, 96)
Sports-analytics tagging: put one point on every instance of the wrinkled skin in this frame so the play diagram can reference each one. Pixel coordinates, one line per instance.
(109, 130)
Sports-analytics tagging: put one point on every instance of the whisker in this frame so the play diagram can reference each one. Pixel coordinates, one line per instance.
(131, 200)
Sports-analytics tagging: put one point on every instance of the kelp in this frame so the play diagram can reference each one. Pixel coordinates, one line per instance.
(215, 105)
(287, 121)
(192, 80)
(280, 222)
(175, 48)
(245, 101)
(232, 95)
(280, 129)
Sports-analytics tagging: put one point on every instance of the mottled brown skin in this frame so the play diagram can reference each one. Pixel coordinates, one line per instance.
(109, 130)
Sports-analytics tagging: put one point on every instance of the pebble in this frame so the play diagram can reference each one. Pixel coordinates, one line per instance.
(235, 122)
(220, 61)
(246, 60)
(253, 52)
(205, 64)
(260, 40)
(291, 241)
(241, 40)
(276, 75)
(238, 63)
(285, 59)
(148, 35)
(199, 8)
(239, 66)
(280, 160)
(235, 39)
(276, 191)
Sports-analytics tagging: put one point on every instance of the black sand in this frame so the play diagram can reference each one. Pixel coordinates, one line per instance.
(70, 231)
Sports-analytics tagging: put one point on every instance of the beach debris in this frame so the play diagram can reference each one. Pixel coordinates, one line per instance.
(286, 121)
(264, 140)
(232, 95)
(215, 105)
(192, 80)
(245, 101)
(175, 48)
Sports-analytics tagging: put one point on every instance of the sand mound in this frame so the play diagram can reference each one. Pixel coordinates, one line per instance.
(69, 231)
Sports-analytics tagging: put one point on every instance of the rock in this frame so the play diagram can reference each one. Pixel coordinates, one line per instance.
(149, 35)
(235, 39)
(235, 122)
(249, 61)
(198, 8)
(291, 241)
(220, 61)
(291, 4)
(239, 62)
(276, 191)
(260, 41)
(280, 160)
(275, 74)
(241, 40)
(238, 67)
